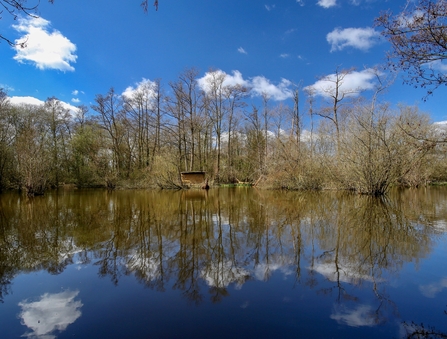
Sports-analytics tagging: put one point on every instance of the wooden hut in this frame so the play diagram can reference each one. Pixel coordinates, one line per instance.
(195, 178)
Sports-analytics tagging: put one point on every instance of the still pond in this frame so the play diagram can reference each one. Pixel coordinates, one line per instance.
(223, 263)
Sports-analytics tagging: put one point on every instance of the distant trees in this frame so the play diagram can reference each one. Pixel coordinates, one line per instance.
(32, 155)
(418, 40)
(58, 120)
(6, 139)
(145, 137)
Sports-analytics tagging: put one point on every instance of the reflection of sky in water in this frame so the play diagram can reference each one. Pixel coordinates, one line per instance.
(148, 266)
(224, 274)
(291, 276)
(343, 272)
(431, 290)
(362, 315)
(52, 312)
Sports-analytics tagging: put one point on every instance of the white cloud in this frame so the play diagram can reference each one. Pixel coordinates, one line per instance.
(282, 91)
(269, 7)
(438, 65)
(51, 313)
(69, 107)
(145, 86)
(75, 100)
(229, 80)
(351, 84)
(408, 20)
(300, 2)
(258, 85)
(363, 315)
(25, 101)
(284, 55)
(327, 3)
(241, 50)
(46, 48)
(235, 79)
(75, 92)
(360, 38)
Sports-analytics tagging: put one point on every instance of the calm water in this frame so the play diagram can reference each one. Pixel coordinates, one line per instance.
(227, 263)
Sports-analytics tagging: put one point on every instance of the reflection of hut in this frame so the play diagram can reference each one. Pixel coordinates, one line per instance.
(194, 195)
(196, 178)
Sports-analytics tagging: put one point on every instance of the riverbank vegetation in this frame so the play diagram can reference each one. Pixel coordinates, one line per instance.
(147, 136)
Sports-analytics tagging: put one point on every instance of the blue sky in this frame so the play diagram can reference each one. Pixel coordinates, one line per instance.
(78, 49)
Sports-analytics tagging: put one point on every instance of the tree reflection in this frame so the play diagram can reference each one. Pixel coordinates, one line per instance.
(198, 241)
(421, 331)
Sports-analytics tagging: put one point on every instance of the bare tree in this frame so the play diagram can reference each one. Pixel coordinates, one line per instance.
(234, 101)
(216, 111)
(375, 152)
(32, 156)
(6, 137)
(57, 118)
(143, 119)
(331, 88)
(418, 37)
(110, 110)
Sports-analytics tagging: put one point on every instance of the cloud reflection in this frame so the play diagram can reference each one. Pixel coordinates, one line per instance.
(344, 272)
(52, 312)
(363, 315)
(222, 275)
(431, 290)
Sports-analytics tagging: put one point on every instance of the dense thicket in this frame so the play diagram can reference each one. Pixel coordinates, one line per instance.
(145, 138)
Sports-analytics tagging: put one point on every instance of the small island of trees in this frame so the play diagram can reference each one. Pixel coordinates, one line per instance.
(147, 138)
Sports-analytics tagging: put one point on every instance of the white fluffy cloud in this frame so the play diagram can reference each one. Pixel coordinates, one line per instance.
(258, 85)
(327, 3)
(360, 38)
(350, 84)
(46, 48)
(144, 86)
(262, 85)
(27, 100)
(229, 80)
(438, 65)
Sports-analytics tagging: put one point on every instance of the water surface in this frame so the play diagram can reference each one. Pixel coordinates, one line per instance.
(239, 263)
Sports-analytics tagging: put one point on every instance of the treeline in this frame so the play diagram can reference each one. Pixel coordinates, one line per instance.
(145, 138)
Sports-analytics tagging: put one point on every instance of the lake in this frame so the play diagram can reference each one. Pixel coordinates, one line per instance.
(223, 263)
